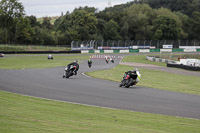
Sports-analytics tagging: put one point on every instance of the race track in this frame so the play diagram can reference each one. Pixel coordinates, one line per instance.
(48, 83)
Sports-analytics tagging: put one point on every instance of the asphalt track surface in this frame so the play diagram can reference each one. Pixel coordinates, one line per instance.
(48, 83)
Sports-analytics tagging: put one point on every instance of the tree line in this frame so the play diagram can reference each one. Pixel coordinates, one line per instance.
(135, 20)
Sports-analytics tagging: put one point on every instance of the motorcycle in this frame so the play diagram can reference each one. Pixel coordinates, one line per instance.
(107, 61)
(130, 78)
(89, 65)
(112, 61)
(69, 71)
(50, 57)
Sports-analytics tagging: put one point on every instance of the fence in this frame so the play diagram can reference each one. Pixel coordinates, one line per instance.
(126, 44)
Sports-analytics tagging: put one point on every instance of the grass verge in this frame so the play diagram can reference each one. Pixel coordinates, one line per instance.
(154, 79)
(175, 57)
(32, 61)
(141, 59)
(32, 48)
(22, 114)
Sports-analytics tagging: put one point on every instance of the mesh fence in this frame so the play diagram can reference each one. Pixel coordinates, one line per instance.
(125, 44)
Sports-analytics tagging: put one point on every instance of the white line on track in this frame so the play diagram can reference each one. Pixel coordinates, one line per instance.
(86, 75)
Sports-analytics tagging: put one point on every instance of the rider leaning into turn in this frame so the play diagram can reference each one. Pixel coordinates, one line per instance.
(75, 63)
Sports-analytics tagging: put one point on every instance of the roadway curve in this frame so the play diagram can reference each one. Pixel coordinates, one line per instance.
(48, 83)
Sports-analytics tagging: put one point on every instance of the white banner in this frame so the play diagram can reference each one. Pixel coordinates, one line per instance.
(97, 51)
(144, 50)
(134, 47)
(165, 50)
(84, 51)
(108, 51)
(124, 51)
(190, 50)
(189, 47)
(168, 46)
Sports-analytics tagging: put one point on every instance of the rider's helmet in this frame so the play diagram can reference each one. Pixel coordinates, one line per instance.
(76, 61)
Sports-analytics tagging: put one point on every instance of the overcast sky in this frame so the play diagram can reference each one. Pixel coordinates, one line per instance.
(42, 8)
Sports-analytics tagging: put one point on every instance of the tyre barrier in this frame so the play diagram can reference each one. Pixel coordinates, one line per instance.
(192, 68)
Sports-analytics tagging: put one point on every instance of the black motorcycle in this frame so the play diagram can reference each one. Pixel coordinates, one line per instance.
(129, 79)
(89, 65)
(69, 72)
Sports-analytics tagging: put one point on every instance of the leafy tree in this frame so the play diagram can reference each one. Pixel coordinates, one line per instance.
(111, 31)
(24, 32)
(195, 25)
(183, 6)
(47, 23)
(87, 9)
(83, 19)
(100, 25)
(10, 11)
(63, 23)
(166, 29)
(139, 18)
(33, 21)
(168, 13)
(185, 25)
(125, 31)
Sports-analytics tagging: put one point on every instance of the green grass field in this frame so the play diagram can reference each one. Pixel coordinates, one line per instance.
(23, 114)
(141, 59)
(151, 78)
(32, 48)
(154, 79)
(32, 61)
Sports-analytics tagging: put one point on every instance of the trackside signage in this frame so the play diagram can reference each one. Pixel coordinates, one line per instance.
(168, 46)
(165, 50)
(189, 47)
(144, 50)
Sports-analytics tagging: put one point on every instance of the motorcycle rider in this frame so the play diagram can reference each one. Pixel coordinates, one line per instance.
(132, 78)
(89, 62)
(75, 63)
(106, 59)
(50, 57)
(111, 60)
(131, 73)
